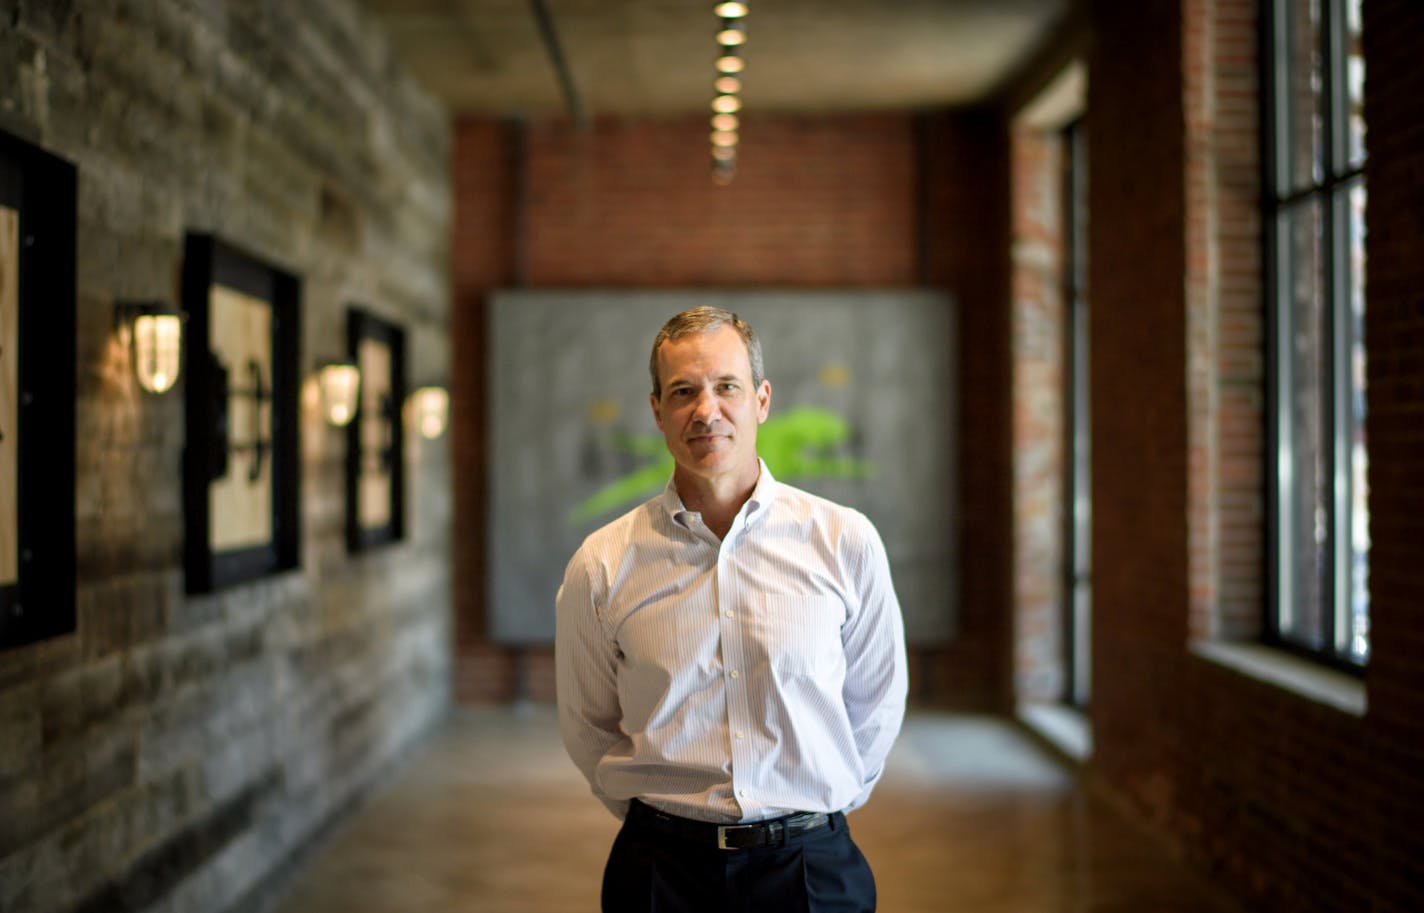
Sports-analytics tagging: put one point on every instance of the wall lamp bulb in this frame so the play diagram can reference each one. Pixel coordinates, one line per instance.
(430, 410)
(153, 331)
(340, 383)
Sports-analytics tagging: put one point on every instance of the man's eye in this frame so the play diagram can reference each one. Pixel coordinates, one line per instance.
(728, 387)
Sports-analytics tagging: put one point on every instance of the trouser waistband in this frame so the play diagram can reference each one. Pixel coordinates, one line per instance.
(774, 832)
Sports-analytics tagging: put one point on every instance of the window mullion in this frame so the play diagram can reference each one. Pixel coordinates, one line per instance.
(1336, 398)
(1336, 114)
(1328, 385)
(1344, 424)
(1280, 109)
(1331, 276)
(1284, 621)
(1283, 505)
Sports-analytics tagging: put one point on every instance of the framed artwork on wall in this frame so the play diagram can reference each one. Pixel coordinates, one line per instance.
(37, 332)
(375, 452)
(241, 486)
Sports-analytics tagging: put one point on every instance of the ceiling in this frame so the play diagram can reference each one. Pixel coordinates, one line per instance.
(654, 57)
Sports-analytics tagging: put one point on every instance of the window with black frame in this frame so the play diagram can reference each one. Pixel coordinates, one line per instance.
(1314, 145)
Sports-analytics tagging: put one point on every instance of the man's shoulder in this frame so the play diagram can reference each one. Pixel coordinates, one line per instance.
(799, 500)
(617, 533)
(801, 505)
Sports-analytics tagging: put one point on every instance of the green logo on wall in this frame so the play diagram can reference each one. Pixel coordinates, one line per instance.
(799, 444)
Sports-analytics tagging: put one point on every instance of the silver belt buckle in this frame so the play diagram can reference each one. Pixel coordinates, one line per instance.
(722, 830)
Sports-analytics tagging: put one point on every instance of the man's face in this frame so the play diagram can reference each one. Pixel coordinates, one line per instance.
(709, 410)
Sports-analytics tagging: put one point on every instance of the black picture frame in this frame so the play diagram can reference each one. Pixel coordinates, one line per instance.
(38, 197)
(215, 275)
(375, 438)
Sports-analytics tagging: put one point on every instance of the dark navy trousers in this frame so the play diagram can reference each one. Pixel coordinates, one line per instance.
(820, 871)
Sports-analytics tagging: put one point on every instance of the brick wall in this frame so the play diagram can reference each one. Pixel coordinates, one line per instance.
(816, 202)
(1226, 339)
(1394, 428)
(485, 250)
(1039, 453)
(829, 202)
(1136, 261)
(965, 240)
(1293, 804)
(176, 752)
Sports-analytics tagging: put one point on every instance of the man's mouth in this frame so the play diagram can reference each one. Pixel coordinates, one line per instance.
(705, 438)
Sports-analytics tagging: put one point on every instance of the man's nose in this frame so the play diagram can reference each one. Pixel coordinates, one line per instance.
(705, 409)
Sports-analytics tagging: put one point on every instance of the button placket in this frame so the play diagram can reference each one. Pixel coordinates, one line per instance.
(739, 720)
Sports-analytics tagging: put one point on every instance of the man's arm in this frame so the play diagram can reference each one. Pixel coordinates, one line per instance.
(877, 676)
(585, 667)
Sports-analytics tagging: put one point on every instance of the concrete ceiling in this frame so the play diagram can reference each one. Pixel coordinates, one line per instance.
(654, 57)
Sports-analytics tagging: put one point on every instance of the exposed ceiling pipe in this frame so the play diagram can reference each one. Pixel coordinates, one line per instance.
(561, 65)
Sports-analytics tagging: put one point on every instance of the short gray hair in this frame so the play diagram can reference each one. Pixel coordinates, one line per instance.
(705, 319)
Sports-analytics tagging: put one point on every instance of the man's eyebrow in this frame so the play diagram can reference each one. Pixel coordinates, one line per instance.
(687, 382)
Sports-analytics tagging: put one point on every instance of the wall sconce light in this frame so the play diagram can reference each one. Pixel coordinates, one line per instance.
(340, 383)
(153, 331)
(430, 410)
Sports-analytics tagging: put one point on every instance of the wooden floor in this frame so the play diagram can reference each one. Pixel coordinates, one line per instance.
(491, 816)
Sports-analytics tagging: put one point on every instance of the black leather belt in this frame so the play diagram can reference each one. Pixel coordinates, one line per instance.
(774, 832)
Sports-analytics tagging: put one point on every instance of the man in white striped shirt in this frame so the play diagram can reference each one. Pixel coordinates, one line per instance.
(731, 659)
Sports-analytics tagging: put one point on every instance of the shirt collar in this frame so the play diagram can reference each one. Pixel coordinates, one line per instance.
(761, 497)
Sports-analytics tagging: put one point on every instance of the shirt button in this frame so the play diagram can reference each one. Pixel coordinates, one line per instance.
(742, 793)
(736, 674)
(739, 735)
(728, 613)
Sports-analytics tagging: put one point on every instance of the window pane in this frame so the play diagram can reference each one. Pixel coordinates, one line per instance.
(1306, 494)
(1357, 644)
(1303, 82)
(1354, 84)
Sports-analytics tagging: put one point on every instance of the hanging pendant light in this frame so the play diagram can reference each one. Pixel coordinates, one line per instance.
(727, 84)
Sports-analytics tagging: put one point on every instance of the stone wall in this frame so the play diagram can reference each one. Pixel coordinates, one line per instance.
(176, 752)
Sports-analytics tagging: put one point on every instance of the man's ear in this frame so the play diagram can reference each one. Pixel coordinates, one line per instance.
(657, 409)
(763, 401)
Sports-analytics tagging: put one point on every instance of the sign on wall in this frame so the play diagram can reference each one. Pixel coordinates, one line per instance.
(864, 411)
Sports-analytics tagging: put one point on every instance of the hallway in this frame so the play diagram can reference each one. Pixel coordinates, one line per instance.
(490, 816)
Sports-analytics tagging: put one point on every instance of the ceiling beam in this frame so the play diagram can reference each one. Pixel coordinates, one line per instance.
(550, 35)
